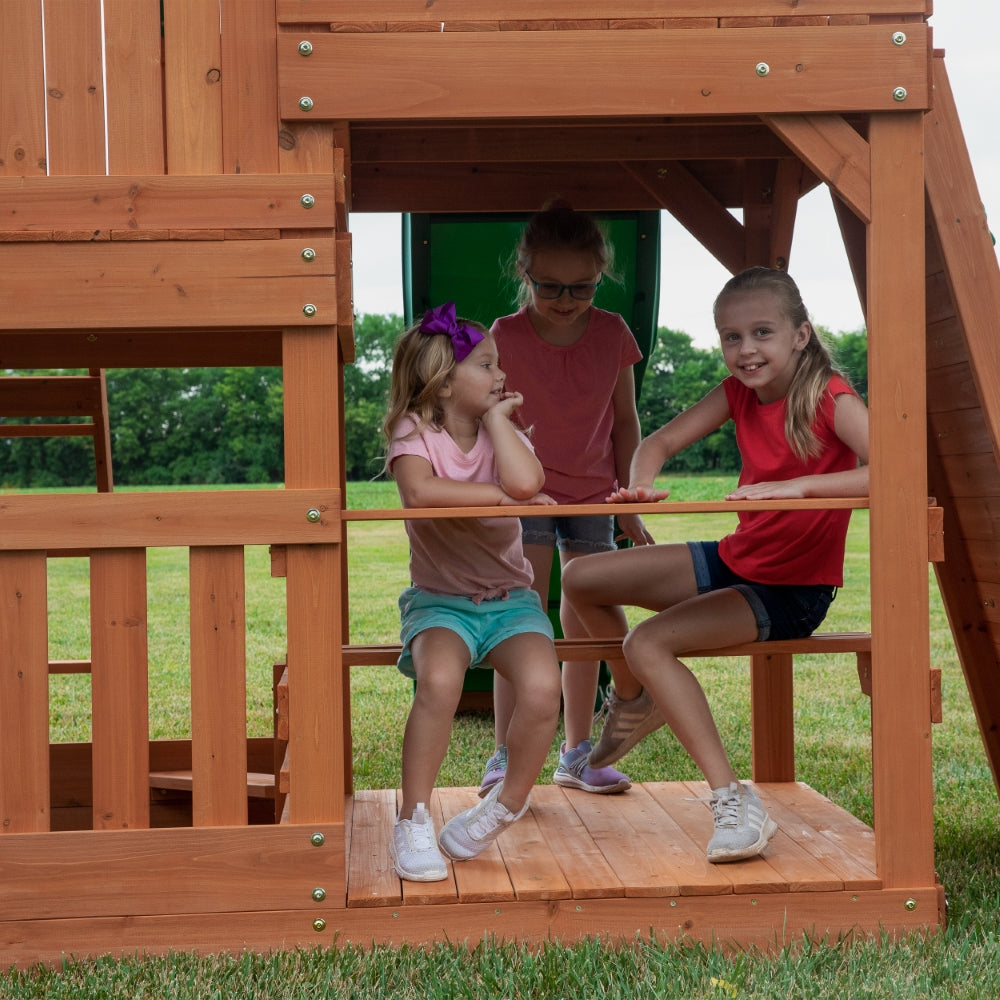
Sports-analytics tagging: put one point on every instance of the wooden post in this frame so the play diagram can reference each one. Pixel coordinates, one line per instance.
(901, 731)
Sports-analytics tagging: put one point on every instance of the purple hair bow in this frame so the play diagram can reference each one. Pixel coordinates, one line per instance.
(442, 319)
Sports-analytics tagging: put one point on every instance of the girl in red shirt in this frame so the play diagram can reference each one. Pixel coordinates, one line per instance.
(802, 432)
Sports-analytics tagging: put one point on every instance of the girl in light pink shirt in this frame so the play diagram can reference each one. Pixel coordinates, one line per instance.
(452, 444)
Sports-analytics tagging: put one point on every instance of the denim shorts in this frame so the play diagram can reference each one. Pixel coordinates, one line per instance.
(480, 626)
(593, 533)
(782, 611)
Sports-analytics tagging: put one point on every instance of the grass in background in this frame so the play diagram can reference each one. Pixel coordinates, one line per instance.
(833, 755)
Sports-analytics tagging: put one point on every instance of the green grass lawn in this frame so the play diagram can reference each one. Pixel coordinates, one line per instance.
(833, 755)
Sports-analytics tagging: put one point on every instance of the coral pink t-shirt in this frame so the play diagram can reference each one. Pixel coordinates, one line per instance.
(787, 546)
(477, 557)
(568, 399)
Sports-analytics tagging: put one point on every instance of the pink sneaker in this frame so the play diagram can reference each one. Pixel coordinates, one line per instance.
(574, 771)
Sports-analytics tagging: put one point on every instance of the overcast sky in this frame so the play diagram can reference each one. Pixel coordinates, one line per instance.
(967, 30)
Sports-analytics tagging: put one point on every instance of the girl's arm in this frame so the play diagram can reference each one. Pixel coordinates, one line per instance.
(707, 415)
(521, 473)
(420, 487)
(625, 436)
(850, 422)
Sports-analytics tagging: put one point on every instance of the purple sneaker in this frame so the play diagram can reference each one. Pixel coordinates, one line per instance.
(496, 768)
(574, 772)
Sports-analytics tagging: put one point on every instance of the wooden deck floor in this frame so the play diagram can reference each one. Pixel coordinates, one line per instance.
(625, 866)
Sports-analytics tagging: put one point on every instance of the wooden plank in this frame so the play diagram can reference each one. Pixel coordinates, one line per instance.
(834, 151)
(120, 689)
(964, 234)
(560, 141)
(898, 434)
(236, 283)
(642, 843)
(148, 203)
(532, 864)
(703, 72)
(49, 396)
(843, 842)
(126, 520)
(197, 348)
(218, 686)
(300, 11)
(24, 694)
(171, 871)
(22, 90)
(371, 879)
(192, 86)
(134, 99)
(74, 86)
(583, 865)
(249, 96)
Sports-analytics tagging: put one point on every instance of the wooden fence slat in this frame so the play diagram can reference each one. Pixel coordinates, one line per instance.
(249, 98)
(192, 92)
(74, 87)
(24, 694)
(133, 63)
(120, 689)
(218, 686)
(22, 89)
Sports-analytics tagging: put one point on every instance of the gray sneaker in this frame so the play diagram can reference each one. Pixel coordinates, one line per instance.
(626, 722)
(471, 832)
(742, 827)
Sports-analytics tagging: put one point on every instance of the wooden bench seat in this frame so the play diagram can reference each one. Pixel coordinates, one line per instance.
(771, 663)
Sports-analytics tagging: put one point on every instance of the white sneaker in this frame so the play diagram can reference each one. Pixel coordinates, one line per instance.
(742, 826)
(414, 850)
(472, 831)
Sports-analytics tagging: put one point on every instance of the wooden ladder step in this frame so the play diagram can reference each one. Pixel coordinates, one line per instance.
(260, 785)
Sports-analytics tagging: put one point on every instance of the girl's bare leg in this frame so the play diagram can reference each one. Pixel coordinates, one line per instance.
(717, 619)
(440, 659)
(650, 576)
(528, 662)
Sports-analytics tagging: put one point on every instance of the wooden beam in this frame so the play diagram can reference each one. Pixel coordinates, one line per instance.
(691, 72)
(904, 831)
(210, 517)
(834, 151)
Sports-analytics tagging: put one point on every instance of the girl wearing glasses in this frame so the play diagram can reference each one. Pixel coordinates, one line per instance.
(572, 362)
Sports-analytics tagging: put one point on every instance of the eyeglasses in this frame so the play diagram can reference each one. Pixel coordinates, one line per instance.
(584, 291)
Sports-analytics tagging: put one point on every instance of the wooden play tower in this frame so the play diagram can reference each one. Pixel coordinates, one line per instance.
(176, 183)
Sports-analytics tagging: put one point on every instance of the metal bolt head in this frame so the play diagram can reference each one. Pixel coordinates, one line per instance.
(307, 201)
(910, 904)
(305, 103)
(308, 254)
(309, 309)
(899, 94)
(319, 895)
(305, 48)
(762, 69)
(319, 925)
(899, 38)
(317, 839)
(313, 515)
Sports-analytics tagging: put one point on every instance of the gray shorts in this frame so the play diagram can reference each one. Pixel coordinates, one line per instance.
(592, 533)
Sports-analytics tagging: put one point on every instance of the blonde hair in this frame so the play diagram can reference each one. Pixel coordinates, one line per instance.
(815, 367)
(422, 365)
(559, 227)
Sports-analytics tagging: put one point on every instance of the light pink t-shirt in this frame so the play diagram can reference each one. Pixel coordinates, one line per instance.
(479, 557)
(568, 395)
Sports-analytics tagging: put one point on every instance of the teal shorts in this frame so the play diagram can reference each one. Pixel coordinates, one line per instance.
(480, 626)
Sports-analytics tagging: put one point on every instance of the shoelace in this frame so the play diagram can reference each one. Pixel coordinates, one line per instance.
(420, 836)
(727, 810)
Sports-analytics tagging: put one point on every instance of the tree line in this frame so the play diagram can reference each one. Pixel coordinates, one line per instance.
(213, 426)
